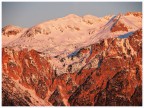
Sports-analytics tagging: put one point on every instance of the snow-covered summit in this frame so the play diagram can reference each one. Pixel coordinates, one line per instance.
(72, 32)
(11, 30)
(11, 33)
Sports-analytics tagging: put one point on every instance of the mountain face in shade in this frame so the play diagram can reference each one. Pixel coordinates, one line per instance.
(74, 61)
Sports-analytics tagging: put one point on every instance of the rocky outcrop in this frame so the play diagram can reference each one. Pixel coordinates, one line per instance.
(119, 27)
(11, 30)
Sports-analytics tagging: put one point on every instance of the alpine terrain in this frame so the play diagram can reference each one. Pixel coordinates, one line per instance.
(74, 61)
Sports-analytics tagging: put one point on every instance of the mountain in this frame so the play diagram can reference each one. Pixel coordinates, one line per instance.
(74, 61)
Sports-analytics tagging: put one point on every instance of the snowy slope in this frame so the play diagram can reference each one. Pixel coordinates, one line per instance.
(11, 33)
(65, 35)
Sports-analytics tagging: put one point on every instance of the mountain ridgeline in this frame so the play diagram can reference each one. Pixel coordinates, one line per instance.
(74, 61)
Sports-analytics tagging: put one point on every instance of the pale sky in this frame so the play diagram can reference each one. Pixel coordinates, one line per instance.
(27, 14)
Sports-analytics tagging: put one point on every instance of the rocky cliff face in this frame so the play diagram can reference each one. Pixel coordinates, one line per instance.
(106, 73)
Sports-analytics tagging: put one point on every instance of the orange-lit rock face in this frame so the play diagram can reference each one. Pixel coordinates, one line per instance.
(119, 27)
(112, 76)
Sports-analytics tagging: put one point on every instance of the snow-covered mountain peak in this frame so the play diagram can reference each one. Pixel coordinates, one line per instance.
(72, 32)
(11, 30)
(10, 33)
(72, 16)
(136, 14)
(68, 24)
(91, 17)
(107, 17)
(11, 27)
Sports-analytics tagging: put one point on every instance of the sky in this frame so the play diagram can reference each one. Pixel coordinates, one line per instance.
(28, 14)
